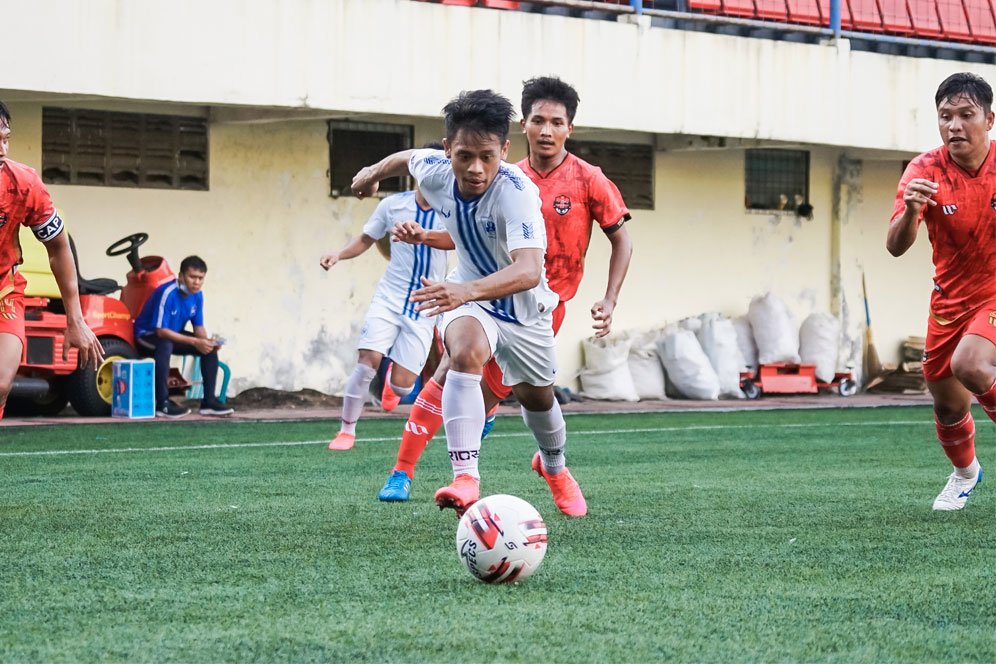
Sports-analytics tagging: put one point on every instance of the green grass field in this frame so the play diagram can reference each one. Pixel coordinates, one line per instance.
(770, 536)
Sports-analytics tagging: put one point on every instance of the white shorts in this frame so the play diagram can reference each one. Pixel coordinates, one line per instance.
(525, 353)
(405, 341)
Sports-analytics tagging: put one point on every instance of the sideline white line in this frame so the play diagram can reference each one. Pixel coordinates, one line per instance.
(384, 439)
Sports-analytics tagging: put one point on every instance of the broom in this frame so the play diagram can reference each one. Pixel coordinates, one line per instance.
(873, 365)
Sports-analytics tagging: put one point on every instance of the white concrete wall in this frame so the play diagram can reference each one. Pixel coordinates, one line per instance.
(403, 57)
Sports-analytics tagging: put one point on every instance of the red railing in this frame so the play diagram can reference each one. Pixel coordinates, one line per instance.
(971, 21)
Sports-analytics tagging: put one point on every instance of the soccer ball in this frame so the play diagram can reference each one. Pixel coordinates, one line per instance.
(501, 539)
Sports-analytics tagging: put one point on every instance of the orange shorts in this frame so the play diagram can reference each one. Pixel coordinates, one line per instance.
(943, 339)
(492, 373)
(12, 305)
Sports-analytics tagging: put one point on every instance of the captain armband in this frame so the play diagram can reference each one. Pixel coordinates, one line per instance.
(49, 229)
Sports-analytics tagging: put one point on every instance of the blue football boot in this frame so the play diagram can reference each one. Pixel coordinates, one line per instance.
(397, 488)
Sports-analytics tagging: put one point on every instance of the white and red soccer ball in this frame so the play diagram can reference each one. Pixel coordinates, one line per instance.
(501, 539)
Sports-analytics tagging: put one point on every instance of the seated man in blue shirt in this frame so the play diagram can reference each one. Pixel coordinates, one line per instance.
(160, 333)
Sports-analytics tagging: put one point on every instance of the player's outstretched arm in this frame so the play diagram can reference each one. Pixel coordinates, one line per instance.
(367, 180)
(622, 252)
(902, 230)
(410, 232)
(78, 334)
(524, 273)
(352, 249)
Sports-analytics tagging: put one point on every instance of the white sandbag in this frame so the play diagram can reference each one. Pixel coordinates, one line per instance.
(688, 369)
(819, 344)
(775, 331)
(645, 367)
(745, 340)
(606, 371)
(718, 339)
(692, 323)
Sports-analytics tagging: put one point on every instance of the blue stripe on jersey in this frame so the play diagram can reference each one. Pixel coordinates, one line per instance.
(414, 282)
(466, 222)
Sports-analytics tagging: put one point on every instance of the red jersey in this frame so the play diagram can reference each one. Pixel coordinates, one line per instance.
(23, 200)
(961, 228)
(574, 194)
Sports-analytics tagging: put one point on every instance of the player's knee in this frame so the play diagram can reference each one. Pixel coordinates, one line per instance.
(971, 371)
(535, 399)
(468, 360)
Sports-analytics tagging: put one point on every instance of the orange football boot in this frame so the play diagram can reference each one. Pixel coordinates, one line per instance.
(566, 492)
(461, 494)
(343, 441)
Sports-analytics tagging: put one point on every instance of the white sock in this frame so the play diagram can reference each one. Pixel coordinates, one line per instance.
(550, 431)
(972, 471)
(463, 417)
(354, 396)
(402, 391)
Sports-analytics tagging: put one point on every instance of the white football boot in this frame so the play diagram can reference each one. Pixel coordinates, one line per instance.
(956, 492)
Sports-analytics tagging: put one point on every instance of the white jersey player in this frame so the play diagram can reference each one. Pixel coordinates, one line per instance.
(393, 327)
(496, 302)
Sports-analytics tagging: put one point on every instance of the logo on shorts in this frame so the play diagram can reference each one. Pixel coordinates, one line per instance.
(7, 308)
(3, 218)
(992, 202)
(562, 205)
(992, 318)
(923, 360)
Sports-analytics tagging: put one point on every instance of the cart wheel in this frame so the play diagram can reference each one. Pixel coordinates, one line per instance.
(751, 389)
(847, 387)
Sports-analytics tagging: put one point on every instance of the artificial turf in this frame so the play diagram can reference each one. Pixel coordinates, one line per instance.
(760, 536)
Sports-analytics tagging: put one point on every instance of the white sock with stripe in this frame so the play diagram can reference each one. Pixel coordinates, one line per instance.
(463, 417)
(354, 396)
(550, 431)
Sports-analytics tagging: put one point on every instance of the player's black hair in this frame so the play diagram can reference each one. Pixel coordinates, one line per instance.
(482, 112)
(433, 145)
(193, 262)
(965, 84)
(4, 114)
(552, 89)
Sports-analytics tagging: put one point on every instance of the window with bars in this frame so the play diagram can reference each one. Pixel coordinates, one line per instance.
(776, 179)
(111, 149)
(629, 165)
(353, 145)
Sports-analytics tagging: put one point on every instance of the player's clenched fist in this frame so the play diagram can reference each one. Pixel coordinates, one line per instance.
(918, 192)
(365, 182)
(328, 260)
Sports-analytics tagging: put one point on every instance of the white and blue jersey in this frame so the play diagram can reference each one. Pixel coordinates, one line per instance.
(409, 263)
(486, 229)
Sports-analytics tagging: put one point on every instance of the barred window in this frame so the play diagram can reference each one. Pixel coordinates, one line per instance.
(353, 145)
(111, 149)
(629, 165)
(776, 179)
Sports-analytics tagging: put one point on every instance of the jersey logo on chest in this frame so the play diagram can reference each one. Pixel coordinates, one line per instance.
(562, 205)
(949, 209)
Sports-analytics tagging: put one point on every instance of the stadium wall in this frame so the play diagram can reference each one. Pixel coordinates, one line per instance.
(270, 77)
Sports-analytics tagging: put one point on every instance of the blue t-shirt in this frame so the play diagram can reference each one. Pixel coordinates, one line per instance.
(169, 309)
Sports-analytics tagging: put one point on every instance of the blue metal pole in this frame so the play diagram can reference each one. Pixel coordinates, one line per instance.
(835, 18)
(637, 6)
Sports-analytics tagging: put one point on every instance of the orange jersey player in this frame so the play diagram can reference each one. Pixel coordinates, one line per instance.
(24, 200)
(952, 190)
(574, 195)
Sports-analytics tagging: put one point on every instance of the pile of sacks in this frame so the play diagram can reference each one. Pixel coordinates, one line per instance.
(702, 357)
